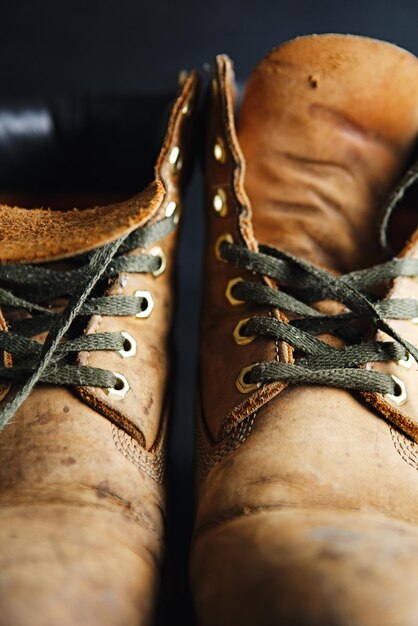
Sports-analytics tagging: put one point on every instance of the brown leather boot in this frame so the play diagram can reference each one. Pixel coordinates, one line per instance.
(308, 423)
(82, 454)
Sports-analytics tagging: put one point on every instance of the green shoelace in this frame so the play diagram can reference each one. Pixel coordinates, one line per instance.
(301, 285)
(25, 287)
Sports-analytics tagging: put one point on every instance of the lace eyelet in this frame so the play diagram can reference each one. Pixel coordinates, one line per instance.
(157, 251)
(121, 388)
(242, 340)
(397, 399)
(147, 308)
(228, 291)
(170, 208)
(225, 237)
(129, 346)
(219, 203)
(187, 109)
(173, 209)
(244, 386)
(175, 159)
(408, 363)
(219, 150)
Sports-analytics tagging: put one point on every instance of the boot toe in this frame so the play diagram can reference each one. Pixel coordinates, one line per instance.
(75, 565)
(307, 568)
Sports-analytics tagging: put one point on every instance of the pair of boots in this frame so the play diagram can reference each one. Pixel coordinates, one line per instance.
(307, 408)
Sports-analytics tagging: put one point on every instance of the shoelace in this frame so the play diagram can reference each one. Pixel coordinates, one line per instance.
(50, 362)
(317, 362)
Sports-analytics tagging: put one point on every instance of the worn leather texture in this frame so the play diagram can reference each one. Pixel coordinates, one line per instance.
(306, 508)
(142, 409)
(82, 500)
(223, 405)
(39, 235)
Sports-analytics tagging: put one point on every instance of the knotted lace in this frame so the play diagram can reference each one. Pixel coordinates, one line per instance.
(28, 287)
(303, 284)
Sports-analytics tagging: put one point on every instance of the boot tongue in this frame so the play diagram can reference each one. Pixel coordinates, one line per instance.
(326, 127)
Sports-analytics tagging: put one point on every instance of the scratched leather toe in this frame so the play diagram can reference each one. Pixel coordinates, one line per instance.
(87, 302)
(307, 445)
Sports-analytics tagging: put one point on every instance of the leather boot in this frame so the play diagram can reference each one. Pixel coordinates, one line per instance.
(308, 409)
(87, 303)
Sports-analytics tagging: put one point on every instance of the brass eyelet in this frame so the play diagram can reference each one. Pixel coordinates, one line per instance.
(121, 388)
(242, 385)
(186, 109)
(129, 346)
(408, 363)
(228, 291)
(219, 150)
(149, 303)
(397, 399)
(159, 252)
(242, 340)
(175, 159)
(219, 203)
(170, 208)
(225, 237)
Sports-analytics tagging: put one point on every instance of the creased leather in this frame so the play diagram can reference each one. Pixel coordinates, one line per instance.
(324, 139)
(82, 502)
(306, 510)
(321, 175)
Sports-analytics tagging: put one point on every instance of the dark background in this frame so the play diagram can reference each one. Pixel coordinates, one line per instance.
(124, 46)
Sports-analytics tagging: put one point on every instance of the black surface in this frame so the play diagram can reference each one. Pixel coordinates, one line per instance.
(86, 143)
(50, 47)
(120, 45)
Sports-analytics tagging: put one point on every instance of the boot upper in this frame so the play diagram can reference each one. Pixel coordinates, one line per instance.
(303, 487)
(82, 497)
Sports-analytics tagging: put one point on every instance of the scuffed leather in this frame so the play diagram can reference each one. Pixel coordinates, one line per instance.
(404, 417)
(346, 127)
(39, 235)
(306, 510)
(140, 412)
(81, 524)
(82, 502)
(223, 405)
